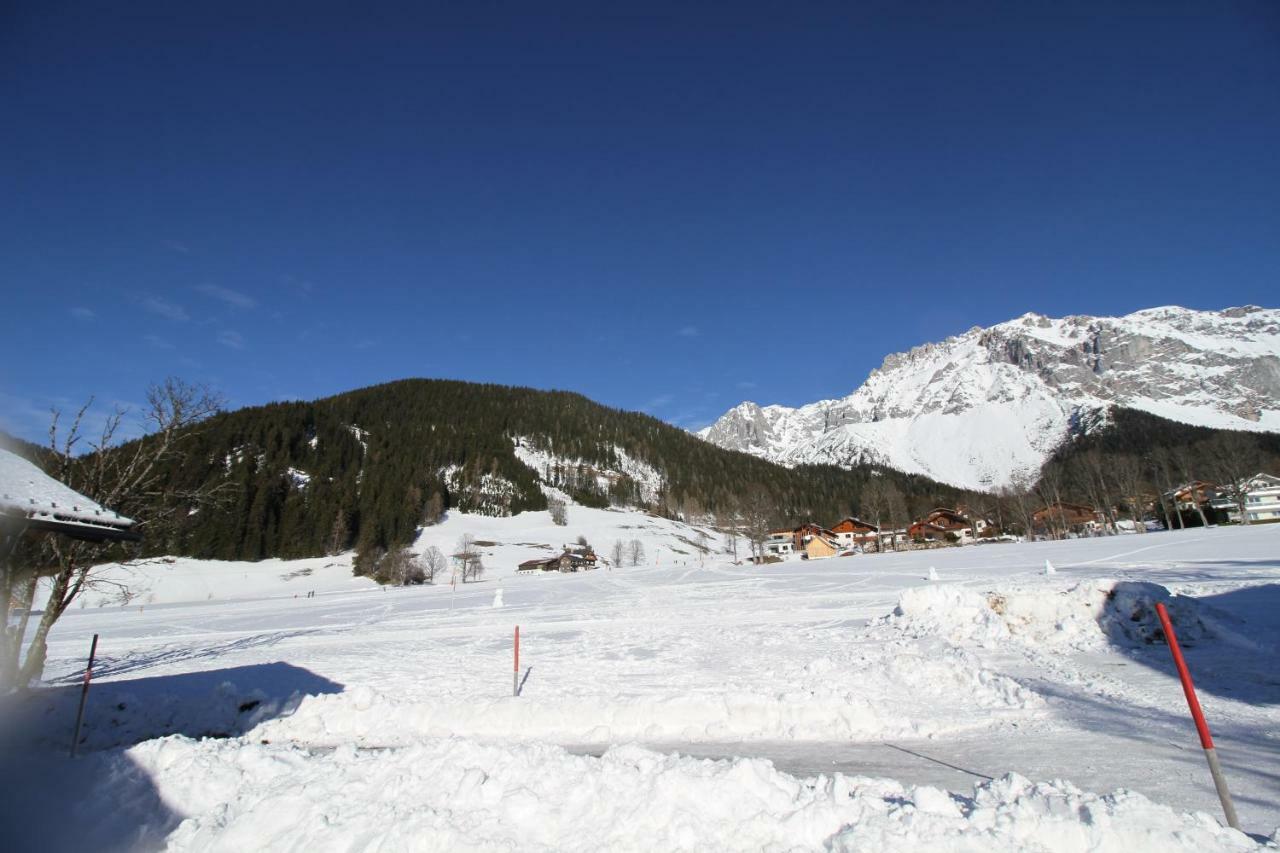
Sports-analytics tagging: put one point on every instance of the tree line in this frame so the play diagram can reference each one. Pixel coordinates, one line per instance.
(365, 470)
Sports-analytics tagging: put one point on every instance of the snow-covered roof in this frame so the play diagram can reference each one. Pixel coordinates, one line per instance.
(32, 496)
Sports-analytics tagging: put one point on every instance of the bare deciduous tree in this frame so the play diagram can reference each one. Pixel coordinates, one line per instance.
(617, 553)
(895, 511)
(1127, 475)
(872, 504)
(433, 563)
(636, 551)
(758, 515)
(1234, 459)
(728, 523)
(128, 478)
(559, 513)
(468, 558)
(400, 566)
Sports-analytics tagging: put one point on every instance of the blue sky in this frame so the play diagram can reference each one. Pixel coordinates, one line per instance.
(668, 207)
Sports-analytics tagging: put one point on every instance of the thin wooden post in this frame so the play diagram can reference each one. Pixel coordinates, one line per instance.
(84, 695)
(1206, 739)
(515, 670)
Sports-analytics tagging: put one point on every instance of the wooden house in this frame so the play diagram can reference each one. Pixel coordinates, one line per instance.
(1193, 494)
(851, 532)
(1064, 516)
(539, 565)
(941, 525)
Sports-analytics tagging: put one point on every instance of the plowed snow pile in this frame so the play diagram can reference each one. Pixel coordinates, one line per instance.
(1085, 615)
(455, 794)
(858, 696)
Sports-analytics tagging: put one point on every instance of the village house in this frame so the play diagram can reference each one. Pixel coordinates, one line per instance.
(820, 547)
(855, 533)
(797, 540)
(573, 559)
(893, 539)
(539, 564)
(1186, 498)
(793, 540)
(780, 543)
(1065, 517)
(943, 525)
(1261, 494)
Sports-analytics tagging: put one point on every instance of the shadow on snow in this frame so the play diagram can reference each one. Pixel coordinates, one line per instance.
(1231, 641)
(103, 800)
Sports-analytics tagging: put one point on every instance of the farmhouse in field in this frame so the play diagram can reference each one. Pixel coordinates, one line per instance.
(574, 558)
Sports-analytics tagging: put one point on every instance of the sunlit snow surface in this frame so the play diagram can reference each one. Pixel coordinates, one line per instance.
(849, 703)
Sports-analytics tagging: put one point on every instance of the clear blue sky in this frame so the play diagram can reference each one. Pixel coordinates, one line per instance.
(671, 208)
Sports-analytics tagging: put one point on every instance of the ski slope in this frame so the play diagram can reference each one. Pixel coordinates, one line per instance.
(848, 703)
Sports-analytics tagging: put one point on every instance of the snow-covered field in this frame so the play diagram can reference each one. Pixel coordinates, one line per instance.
(685, 704)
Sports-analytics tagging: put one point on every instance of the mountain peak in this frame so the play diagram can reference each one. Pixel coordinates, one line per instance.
(984, 408)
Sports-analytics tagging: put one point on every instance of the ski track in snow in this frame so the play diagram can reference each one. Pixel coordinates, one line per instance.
(779, 673)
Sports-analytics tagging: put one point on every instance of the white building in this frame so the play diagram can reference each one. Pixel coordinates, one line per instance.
(780, 543)
(1261, 500)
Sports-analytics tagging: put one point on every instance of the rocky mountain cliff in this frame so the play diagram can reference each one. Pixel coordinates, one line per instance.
(987, 407)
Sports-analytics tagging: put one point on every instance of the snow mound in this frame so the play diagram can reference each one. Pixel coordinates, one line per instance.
(451, 794)
(1087, 614)
(861, 698)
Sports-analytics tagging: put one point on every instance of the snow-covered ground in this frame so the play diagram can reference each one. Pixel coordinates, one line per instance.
(688, 703)
(174, 580)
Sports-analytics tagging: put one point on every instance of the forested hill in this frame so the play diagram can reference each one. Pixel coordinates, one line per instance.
(364, 469)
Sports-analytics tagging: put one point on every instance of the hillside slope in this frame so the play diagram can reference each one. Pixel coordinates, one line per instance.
(368, 468)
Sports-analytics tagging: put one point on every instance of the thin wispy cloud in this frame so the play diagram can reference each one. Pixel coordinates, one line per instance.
(659, 402)
(231, 339)
(165, 308)
(82, 313)
(176, 246)
(688, 332)
(746, 385)
(157, 342)
(234, 298)
(296, 283)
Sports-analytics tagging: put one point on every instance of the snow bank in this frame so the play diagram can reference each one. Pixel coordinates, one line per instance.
(456, 794)
(875, 695)
(1084, 615)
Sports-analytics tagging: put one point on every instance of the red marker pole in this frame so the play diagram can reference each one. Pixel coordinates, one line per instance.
(515, 671)
(84, 695)
(1206, 739)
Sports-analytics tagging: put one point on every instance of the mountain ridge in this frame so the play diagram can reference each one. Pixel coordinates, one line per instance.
(986, 408)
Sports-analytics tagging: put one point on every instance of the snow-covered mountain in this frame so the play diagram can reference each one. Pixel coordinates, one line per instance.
(983, 408)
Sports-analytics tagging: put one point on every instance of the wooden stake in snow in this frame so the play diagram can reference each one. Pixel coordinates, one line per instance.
(515, 669)
(1206, 739)
(1049, 569)
(84, 696)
